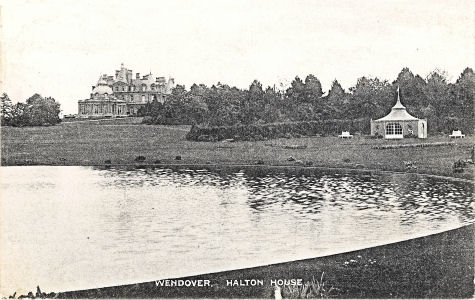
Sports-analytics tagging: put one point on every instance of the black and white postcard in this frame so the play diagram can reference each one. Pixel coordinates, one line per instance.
(237, 149)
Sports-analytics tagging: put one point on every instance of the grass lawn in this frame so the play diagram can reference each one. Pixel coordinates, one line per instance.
(93, 142)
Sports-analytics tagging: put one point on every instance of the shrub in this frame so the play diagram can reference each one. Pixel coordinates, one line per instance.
(459, 166)
(276, 130)
(311, 289)
(410, 135)
(147, 120)
(203, 138)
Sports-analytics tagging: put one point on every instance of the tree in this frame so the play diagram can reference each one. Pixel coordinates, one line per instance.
(437, 93)
(295, 92)
(6, 110)
(371, 98)
(178, 90)
(273, 106)
(463, 93)
(313, 89)
(412, 90)
(42, 111)
(336, 100)
(253, 105)
(19, 115)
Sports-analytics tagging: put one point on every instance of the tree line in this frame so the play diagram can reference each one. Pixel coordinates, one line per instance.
(36, 111)
(446, 106)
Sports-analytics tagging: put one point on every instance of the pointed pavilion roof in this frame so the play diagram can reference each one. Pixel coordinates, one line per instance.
(398, 112)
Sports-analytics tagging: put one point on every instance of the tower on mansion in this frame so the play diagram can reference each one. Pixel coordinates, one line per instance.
(123, 94)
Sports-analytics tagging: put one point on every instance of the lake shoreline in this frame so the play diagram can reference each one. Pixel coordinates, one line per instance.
(286, 168)
(435, 266)
(237, 167)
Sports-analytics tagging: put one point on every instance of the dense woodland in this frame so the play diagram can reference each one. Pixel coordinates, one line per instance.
(36, 111)
(446, 106)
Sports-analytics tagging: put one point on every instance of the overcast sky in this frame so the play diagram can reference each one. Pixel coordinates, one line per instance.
(59, 48)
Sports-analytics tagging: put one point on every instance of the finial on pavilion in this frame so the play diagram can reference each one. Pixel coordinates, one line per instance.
(398, 104)
(398, 98)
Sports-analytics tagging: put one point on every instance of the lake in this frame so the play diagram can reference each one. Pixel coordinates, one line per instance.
(69, 228)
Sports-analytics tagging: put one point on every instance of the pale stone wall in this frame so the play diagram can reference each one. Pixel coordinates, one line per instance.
(408, 127)
(99, 108)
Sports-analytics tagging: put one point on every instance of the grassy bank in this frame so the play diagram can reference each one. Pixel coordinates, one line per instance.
(94, 142)
(435, 266)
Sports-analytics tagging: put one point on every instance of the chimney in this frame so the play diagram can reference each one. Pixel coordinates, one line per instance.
(137, 75)
(116, 73)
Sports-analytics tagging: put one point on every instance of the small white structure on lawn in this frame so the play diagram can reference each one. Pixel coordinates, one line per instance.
(457, 134)
(399, 123)
(345, 135)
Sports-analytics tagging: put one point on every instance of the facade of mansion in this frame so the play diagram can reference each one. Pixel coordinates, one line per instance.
(123, 95)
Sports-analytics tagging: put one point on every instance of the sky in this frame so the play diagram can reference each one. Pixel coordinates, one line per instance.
(59, 48)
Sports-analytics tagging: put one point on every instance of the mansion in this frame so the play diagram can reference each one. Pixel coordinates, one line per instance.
(123, 95)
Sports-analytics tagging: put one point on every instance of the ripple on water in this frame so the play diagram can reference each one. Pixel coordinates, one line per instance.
(150, 221)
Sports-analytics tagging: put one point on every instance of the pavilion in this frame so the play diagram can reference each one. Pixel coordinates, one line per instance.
(399, 124)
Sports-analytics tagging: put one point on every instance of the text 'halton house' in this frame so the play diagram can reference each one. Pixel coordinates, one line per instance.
(123, 95)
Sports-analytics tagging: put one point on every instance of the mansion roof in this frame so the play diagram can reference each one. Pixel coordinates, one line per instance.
(102, 89)
(124, 77)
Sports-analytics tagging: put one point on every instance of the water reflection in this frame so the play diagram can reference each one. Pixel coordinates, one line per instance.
(414, 198)
(87, 227)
